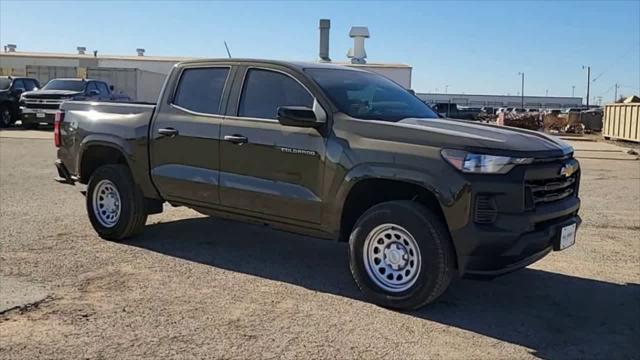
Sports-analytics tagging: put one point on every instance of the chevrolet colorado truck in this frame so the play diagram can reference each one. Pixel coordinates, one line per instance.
(40, 106)
(330, 152)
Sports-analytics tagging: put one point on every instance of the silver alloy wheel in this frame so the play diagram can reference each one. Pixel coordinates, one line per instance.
(392, 257)
(5, 117)
(106, 203)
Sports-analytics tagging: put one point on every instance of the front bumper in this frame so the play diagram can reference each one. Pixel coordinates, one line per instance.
(38, 116)
(500, 255)
(521, 229)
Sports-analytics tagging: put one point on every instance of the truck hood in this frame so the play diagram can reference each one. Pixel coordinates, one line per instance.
(490, 139)
(50, 94)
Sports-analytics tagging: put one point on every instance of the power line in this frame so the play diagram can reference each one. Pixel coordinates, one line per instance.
(633, 47)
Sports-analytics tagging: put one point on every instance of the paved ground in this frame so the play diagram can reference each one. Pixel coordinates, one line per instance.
(192, 286)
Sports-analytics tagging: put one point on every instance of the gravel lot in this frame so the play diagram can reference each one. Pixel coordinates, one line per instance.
(193, 286)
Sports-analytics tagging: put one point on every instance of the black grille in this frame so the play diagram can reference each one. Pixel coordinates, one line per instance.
(486, 210)
(41, 106)
(550, 190)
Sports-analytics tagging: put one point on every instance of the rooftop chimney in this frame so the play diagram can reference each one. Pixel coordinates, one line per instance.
(140, 51)
(11, 47)
(81, 50)
(357, 53)
(325, 26)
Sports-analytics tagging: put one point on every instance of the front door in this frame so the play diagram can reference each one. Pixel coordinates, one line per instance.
(185, 147)
(268, 169)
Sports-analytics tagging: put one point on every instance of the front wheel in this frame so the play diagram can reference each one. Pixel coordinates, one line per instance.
(400, 255)
(6, 116)
(115, 205)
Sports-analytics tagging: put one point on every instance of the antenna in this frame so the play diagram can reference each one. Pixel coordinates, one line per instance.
(227, 47)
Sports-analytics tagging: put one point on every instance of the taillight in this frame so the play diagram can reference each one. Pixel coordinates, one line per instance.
(56, 128)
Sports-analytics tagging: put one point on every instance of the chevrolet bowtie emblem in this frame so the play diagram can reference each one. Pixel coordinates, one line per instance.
(568, 169)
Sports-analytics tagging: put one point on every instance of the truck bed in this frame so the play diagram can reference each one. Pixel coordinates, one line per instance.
(124, 126)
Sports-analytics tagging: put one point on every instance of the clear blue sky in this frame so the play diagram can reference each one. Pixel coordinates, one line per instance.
(474, 47)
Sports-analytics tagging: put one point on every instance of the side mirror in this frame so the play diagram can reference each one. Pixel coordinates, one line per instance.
(93, 93)
(111, 88)
(18, 91)
(299, 116)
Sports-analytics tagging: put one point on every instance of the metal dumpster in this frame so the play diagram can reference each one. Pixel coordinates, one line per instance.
(622, 121)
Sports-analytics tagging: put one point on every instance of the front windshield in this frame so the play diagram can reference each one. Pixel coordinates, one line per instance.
(72, 85)
(364, 95)
(5, 84)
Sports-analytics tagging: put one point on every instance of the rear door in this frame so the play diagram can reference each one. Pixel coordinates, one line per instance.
(267, 169)
(185, 148)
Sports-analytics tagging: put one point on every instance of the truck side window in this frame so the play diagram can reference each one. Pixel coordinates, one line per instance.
(102, 87)
(30, 84)
(91, 86)
(200, 90)
(18, 85)
(264, 91)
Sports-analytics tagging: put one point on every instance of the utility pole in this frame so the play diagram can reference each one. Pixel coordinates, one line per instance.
(546, 92)
(615, 97)
(588, 82)
(573, 90)
(446, 89)
(522, 91)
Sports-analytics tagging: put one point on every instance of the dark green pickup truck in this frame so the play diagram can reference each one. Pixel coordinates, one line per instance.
(331, 152)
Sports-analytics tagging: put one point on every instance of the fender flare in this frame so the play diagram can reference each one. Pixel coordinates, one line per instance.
(111, 141)
(391, 172)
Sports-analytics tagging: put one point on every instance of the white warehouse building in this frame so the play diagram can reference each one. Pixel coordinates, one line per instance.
(537, 102)
(140, 77)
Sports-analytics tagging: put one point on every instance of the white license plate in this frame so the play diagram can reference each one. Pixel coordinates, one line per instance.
(40, 115)
(568, 236)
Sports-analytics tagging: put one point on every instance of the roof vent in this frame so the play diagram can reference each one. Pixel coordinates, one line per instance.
(140, 51)
(11, 47)
(325, 26)
(81, 50)
(357, 54)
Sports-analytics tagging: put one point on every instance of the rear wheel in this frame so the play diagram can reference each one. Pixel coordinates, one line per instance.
(6, 116)
(400, 255)
(115, 205)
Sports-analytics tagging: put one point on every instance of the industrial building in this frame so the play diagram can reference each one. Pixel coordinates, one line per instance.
(538, 102)
(141, 77)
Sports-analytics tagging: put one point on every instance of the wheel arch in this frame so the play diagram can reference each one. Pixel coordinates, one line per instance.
(98, 152)
(367, 192)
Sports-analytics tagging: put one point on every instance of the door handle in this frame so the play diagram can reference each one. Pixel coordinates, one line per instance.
(170, 132)
(236, 139)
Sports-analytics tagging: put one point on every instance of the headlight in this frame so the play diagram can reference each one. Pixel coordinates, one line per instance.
(481, 163)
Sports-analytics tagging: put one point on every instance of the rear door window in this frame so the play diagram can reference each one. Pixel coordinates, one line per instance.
(200, 89)
(264, 91)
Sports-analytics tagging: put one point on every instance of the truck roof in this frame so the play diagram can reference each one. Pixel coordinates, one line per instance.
(298, 65)
(77, 79)
(16, 77)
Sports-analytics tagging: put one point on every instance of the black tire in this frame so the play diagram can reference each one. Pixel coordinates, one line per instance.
(7, 117)
(29, 125)
(133, 214)
(435, 247)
